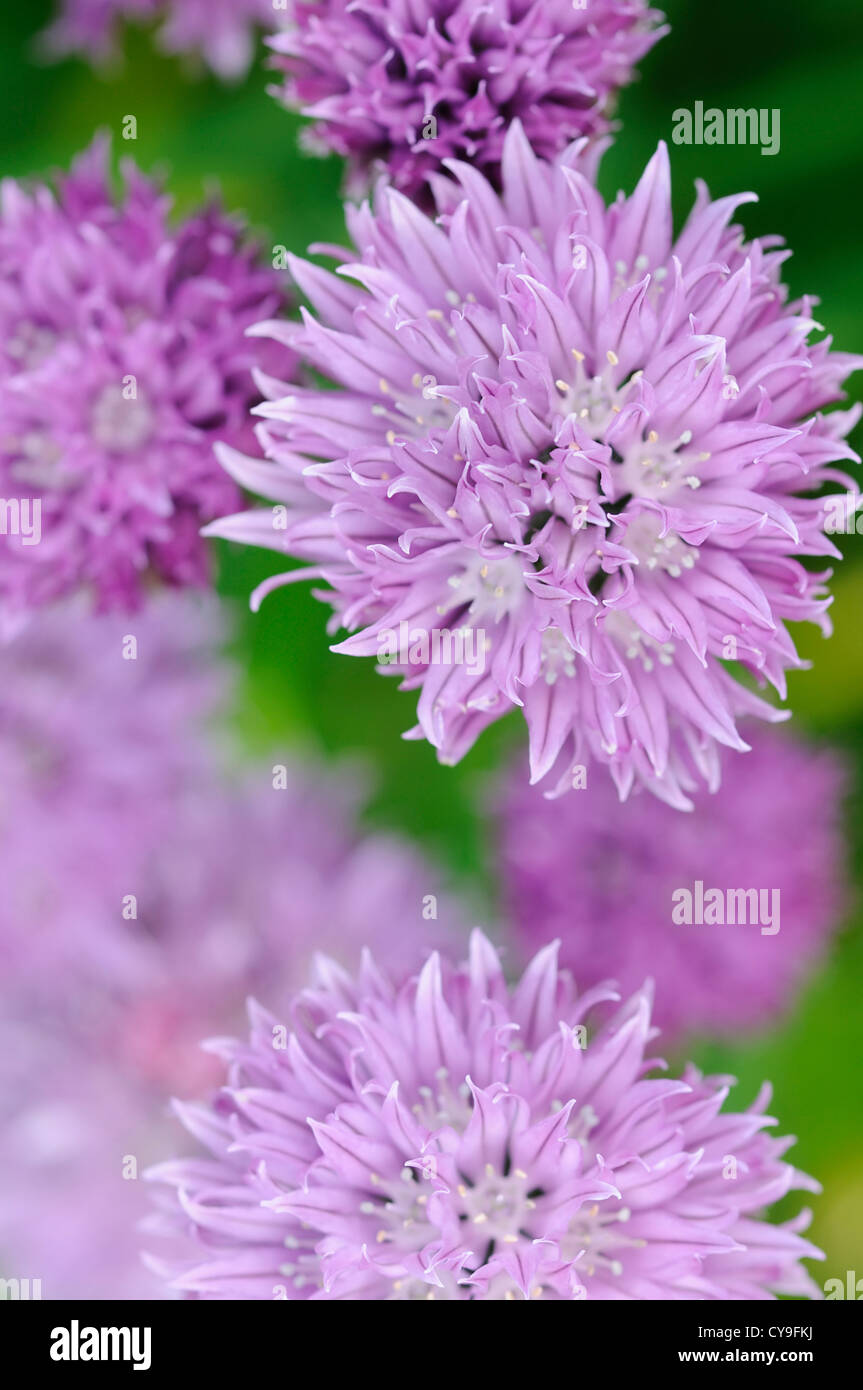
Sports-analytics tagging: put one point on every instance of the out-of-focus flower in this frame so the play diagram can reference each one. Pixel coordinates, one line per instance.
(601, 877)
(148, 891)
(220, 32)
(401, 85)
(102, 735)
(459, 1138)
(123, 357)
(578, 449)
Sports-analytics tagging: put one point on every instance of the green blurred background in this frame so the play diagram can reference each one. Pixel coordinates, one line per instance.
(804, 59)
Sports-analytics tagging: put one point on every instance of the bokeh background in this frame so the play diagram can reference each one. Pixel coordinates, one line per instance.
(804, 59)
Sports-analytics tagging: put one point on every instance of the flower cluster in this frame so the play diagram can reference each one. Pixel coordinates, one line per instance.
(588, 442)
(460, 1138)
(219, 32)
(148, 891)
(401, 85)
(600, 877)
(541, 452)
(123, 357)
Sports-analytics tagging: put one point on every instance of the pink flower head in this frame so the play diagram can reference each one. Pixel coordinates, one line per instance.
(602, 877)
(220, 32)
(580, 448)
(123, 357)
(401, 85)
(459, 1138)
(149, 889)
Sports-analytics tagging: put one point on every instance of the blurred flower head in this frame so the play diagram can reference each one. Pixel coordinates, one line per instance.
(103, 733)
(577, 448)
(123, 357)
(600, 876)
(221, 33)
(149, 889)
(459, 1138)
(401, 85)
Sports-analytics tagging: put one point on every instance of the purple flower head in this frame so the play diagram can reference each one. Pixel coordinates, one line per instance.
(220, 32)
(601, 877)
(578, 448)
(456, 1137)
(149, 889)
(101, 736)
(402, 85)
(123, 357)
